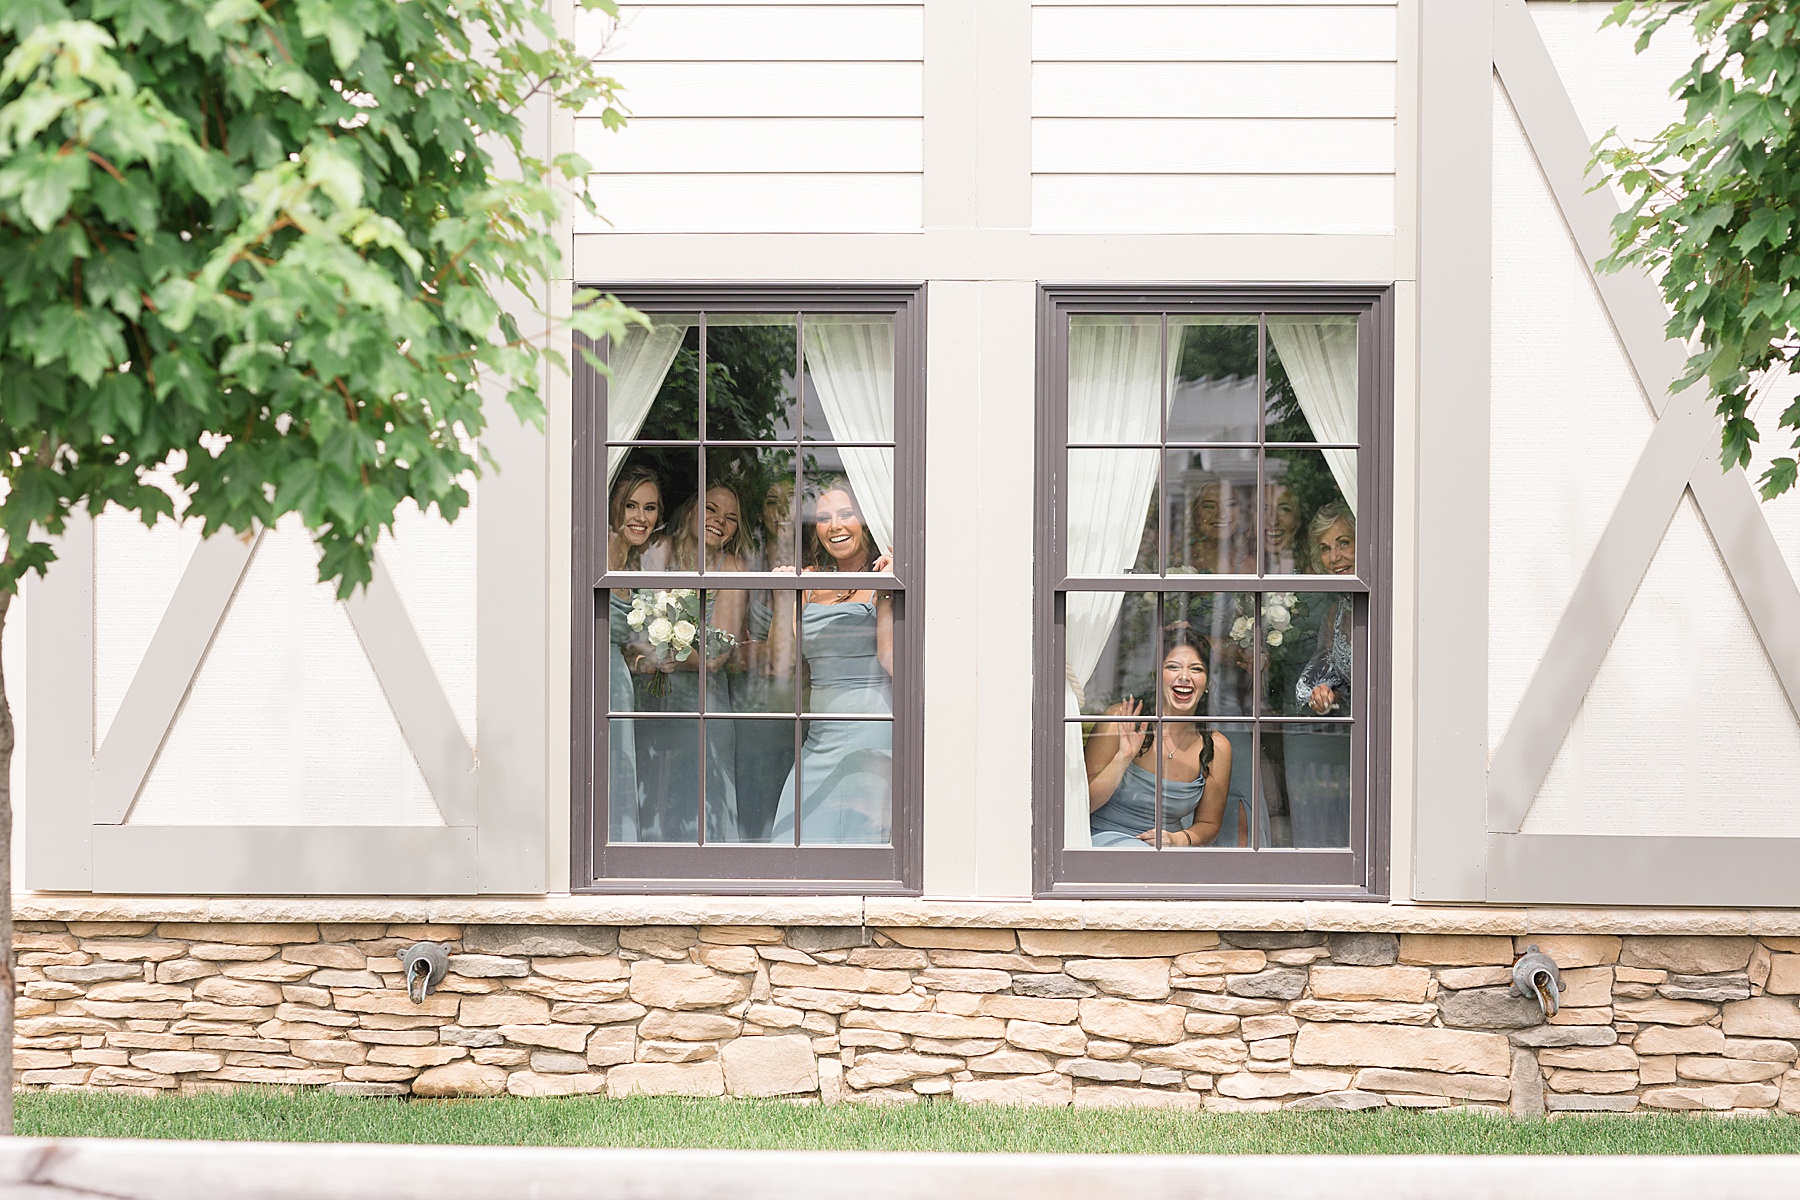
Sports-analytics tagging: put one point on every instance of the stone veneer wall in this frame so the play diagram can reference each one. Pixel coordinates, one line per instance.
(1235, 1021)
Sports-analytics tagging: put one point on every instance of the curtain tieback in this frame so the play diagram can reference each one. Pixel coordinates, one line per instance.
(1075, 686)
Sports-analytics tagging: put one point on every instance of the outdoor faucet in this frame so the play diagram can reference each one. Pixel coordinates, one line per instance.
(426, 964)
(1535, 974)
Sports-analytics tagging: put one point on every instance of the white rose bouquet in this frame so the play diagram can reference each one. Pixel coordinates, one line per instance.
(1277, 620)
(670, 622)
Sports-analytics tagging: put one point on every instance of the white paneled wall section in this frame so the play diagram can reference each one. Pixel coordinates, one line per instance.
(796, 117)
(1213, 118)
(1685, 730)
(285, 722)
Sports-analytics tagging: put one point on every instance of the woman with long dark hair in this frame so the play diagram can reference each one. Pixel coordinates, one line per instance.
(844, 793)
(1123, 758)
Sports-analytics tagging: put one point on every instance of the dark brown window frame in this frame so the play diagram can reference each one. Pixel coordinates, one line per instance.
(749, 868)
(1361, 873)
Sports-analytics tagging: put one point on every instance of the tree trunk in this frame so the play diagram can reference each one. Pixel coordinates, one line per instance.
(8, 984)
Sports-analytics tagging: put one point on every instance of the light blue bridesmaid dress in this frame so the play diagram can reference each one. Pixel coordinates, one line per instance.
(846, 767)
(1132, 809)
(622, 790)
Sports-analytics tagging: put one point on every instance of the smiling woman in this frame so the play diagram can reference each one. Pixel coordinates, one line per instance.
(757, 709)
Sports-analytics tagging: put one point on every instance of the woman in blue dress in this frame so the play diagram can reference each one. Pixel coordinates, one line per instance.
(1122, 758)
(846, 769)
(634, 514)
(670, 750)
(1318, 756)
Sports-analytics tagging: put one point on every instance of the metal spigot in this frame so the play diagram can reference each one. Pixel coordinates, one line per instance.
(426, 964)
(1536, 974)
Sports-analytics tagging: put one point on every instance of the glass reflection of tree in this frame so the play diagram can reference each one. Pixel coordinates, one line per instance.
(1305, 472)
(749, 397)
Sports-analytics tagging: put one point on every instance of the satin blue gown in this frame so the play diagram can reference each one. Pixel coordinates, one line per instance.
(1132, 809)
(846, 768)
(622, 789)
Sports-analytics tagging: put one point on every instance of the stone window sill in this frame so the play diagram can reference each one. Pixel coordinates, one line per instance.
(1321, 916)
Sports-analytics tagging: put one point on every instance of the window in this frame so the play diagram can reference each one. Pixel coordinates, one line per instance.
(747, 552)
(1211, 564)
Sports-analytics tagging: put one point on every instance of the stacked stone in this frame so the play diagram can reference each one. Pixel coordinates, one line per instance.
(1248, 1021)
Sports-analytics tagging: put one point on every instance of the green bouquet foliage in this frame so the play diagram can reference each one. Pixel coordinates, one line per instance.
(1712, 213)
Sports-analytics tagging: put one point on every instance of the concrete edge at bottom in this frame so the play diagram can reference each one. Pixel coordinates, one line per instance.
(171, 1170)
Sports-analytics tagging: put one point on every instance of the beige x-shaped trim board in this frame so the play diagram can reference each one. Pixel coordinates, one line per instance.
(175, 653)
(1679, 455)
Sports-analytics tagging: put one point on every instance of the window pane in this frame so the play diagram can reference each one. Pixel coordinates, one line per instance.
(1312, 379)
(719, 528)
(1212, 396)
(1112, 512)
(1187, 807)
(750, 363)
(1314, 491)
(624, 798)
(760, 669)
(1306, 773)
(849, 377)
(668, 783)
(847, 517)
(1212, 512)
(1308, 663)
(762, 765)
(1111, 642)
(1115, 379)
(763, 479)
(1211, 628)
(840, 653)
(660, 399)
(650, 485)
(846, 785)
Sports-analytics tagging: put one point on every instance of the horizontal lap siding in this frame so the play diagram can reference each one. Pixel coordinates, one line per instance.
(1213, 118)
(759, 118)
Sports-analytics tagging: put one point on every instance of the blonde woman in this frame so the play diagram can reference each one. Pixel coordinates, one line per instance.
(634, 514)
(670, 749)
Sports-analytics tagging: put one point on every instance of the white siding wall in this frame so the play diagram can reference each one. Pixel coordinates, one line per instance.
(797, 117)
(1213, 118)
(1685, 730)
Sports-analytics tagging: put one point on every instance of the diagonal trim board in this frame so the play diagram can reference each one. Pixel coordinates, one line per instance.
(413, 691)
(166, 672)
(427, 722)
(1676, 458)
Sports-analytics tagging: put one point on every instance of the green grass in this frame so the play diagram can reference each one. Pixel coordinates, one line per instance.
(274, 1115)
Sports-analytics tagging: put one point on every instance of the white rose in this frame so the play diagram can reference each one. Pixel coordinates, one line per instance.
(635, 618)
(1276, 615)
(659, 631)
(684, 632)
(1240, 627)
(1274, 637)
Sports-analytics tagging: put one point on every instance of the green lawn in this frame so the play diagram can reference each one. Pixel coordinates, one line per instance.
(771, 1125)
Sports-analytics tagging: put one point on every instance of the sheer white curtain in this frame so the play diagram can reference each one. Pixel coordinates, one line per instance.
(640, 361)
(1320, 356)
(851, 362)
(1114, 391)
